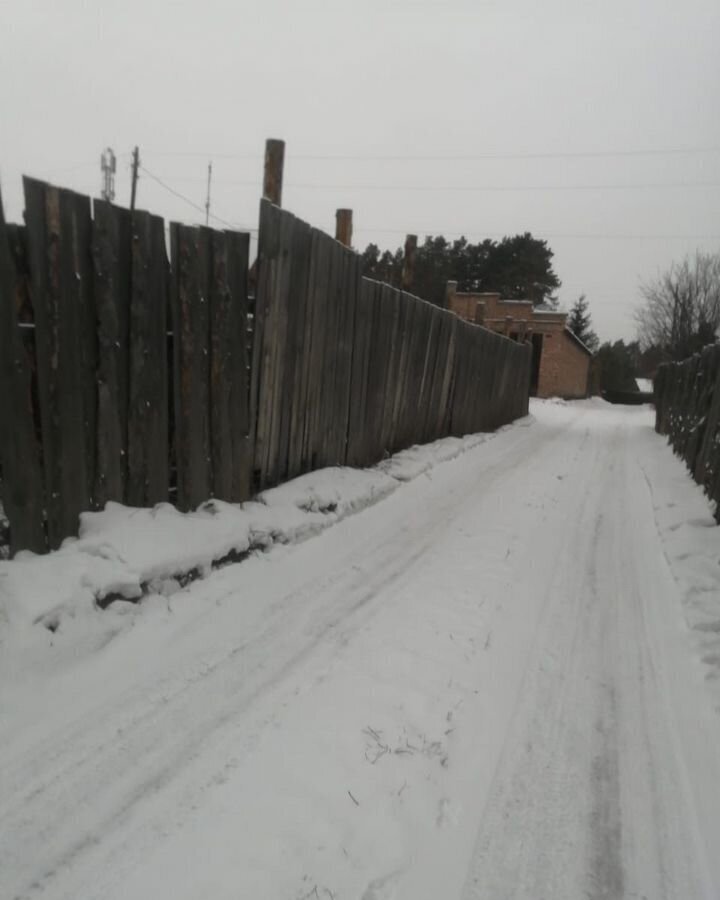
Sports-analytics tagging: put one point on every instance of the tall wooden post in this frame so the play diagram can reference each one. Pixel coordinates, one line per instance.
(273, 177)
(344, 226)
(408, 269)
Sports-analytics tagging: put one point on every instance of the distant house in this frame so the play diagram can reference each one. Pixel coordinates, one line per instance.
(561, 362)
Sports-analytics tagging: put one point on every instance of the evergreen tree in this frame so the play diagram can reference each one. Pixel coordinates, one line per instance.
(580, 323)
(618, 366)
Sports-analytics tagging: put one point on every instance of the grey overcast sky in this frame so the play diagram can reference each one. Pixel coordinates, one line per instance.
(451, 116)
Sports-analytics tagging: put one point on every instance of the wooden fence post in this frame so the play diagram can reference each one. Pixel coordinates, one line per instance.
(273, 177)
(344, 226)
(22, 489)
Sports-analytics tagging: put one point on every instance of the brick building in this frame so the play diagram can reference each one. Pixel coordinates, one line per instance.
(561, 362)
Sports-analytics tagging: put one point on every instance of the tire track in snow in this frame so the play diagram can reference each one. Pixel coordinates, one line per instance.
(111, 761)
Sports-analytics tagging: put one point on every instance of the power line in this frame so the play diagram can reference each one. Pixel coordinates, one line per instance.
(550, 235)
(507, 188)
(480, 188)
(192, 203)
(581, 154)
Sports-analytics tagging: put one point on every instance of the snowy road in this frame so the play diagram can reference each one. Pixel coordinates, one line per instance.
(484, 686)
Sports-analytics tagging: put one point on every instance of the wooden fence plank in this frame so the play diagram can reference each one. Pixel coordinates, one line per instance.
(299, 339)
(238, 253)
(275, 384)
(295, 304)
(111, 252)
(322, 273)
(265, 345)
(20, 460)
(51, 216)
(148, 446)
(356, 451)
(82, 260)
(191, 300)
(326, 437)
(343, 377)
(222, 337)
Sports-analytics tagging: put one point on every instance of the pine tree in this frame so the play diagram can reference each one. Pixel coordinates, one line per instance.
(579, 322)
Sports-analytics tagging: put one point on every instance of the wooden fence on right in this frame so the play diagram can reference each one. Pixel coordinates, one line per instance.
(125, 374)
(687, 410)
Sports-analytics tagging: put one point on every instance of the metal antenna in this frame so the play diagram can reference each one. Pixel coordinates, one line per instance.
(108, 166)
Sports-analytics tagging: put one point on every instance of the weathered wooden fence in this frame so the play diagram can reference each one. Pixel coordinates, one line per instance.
(687, 409)
(124, 375)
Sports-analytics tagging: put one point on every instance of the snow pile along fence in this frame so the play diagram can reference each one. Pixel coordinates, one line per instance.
(687, 404)
(125, 376)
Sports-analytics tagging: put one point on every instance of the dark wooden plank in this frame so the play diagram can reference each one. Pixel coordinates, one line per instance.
(51, 225)
(191, 289)
(277, 338)
(424, 350)
(392, 362)
(429, 390)
(442, 426)
(20, 454)
(356, 454)
(148, 403)
(88, 335)
(326, 446)
(267, 239)
(369, 428)
(295, 304)
(238, 254)
(264, 345)
(300, 344)
(222, 338)
(111, 252)
(320, 270)
(403, 385)
(383, 334)
(350, 284)
(313, 342)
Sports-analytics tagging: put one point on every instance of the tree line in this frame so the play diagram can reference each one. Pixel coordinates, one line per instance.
(519, 267)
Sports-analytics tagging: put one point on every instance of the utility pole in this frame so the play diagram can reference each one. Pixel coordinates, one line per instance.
(273, 175)
(107, 167)
(344, 226)
(207, 202)
(135, 167)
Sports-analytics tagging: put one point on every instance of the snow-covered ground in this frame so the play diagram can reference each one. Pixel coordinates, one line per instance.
(494, 676)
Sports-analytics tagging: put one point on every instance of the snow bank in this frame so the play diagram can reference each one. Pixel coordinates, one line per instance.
(125, 553)
(684, 518)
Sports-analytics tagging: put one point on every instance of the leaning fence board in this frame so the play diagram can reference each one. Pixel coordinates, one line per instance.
(356, 452)
(190, 292)
(51, 217)
(111, 254)
(237, 366)
(265, 349)
(22, 488)
(222, 337)
(299, 347)
(148, 449)
(289, 442)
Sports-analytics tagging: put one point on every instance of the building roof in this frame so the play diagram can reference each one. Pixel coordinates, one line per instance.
(574, 337)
